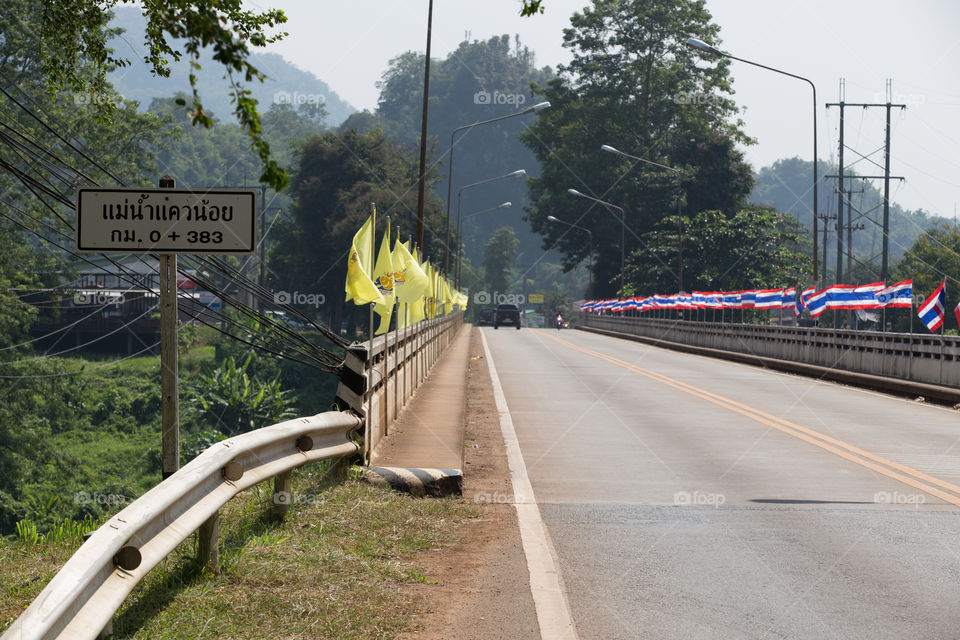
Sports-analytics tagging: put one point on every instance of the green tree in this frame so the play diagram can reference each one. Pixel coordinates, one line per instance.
(498, 255)
(633, 84)
(934, 255)
(480, 80)
(755, 248)
(338, 177)
(76, 54)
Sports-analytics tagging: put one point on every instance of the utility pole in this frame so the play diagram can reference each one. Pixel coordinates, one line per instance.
(886, 177)
(839, 277)
(423, 133)
(826, 230)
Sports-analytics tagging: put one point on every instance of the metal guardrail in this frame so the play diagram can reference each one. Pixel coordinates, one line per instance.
(379, 384)
(80, 601)
(922, 358)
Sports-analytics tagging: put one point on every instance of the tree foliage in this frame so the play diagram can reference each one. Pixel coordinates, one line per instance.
(72, 31)
(754, 248)
(480, 80)
(337, 179)
(933, 256)
(498, 255)
(633, 84)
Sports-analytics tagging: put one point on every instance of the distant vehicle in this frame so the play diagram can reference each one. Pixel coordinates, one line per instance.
(485, 318)
(506, 314)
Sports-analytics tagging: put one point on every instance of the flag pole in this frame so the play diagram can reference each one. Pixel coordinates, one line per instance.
(368, 453)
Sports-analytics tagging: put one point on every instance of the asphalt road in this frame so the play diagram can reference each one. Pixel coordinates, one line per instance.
(688, 497)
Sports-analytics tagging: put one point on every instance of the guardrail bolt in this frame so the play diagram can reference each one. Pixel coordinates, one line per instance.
(233, 471)
(304, 443)
(128, 558)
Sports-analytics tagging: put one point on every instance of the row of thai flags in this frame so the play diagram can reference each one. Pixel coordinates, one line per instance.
(839, 296)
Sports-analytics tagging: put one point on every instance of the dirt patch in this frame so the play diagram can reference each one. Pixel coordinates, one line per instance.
(478, 588)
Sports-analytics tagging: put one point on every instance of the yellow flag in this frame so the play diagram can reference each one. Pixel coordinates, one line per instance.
(359, 287)
(416, 308)
(411, 281)
(383, 278)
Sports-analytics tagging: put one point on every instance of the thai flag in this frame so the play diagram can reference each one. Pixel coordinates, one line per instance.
(713, 300)
(748, 299)
(768, 298)
(931, 309)
(630, 304)
(789, 298)
(731, 300)
(817, 303)
(587, 306)
(866, 296)
(896, 296)
(840, 296)
(802, 300)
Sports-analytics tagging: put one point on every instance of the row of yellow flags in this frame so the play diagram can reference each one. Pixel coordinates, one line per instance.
(397, 276)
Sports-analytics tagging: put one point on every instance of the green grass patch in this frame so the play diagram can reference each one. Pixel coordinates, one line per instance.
(332, 568)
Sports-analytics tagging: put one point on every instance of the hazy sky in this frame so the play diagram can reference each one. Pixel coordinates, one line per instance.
(348, 44)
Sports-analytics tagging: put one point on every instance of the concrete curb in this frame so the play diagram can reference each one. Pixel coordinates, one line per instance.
(419, 482)
(945, 395)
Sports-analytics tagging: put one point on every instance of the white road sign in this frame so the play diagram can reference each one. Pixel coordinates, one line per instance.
(166, 221)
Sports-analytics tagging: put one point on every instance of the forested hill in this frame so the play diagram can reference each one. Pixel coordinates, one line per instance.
(285, 82)
(786, 186)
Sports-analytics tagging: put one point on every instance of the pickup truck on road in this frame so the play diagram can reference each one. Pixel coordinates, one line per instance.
(506, 314)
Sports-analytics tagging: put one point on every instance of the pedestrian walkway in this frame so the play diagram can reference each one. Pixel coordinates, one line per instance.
(429, 431)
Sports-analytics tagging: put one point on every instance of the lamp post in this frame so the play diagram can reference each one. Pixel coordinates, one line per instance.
(623, 226)
(502, 205)
(590, 234)
(531, 109)
(679, 174)
(693, 43)
(519, 173)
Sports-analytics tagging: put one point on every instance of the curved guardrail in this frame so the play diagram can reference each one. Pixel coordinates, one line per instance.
(80, 601)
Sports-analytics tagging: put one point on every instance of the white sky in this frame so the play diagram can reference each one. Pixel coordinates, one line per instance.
(348, 44)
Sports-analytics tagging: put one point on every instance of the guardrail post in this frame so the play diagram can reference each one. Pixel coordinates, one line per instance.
(281, 494)
(106, 632)
(208, 536)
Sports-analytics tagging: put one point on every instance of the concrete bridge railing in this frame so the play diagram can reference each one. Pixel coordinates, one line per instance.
(922, 358)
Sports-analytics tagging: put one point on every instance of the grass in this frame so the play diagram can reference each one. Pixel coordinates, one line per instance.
(333, 568)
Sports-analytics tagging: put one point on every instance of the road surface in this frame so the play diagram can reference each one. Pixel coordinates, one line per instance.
(687, 497)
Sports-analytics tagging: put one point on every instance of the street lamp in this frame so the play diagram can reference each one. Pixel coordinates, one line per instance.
(679, 174)
(502, 205)
(590, 234)
(530, 109)
(623, 226)
(693, 43)
(519, 173)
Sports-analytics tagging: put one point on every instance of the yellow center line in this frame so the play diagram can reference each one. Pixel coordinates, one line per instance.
(902, 473)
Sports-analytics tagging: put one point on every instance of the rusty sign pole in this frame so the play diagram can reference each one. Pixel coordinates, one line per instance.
(169, 365)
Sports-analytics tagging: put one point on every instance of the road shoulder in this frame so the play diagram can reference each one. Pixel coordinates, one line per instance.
(478, 588)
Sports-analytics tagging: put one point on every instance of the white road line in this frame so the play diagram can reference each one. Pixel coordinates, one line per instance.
(553, 612)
